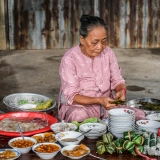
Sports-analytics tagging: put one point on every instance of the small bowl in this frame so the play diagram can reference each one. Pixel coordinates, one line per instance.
(94, 126)
(22, 150)
(121, 112)
(70, 147)
(62, 127)
(17, 153)
(69, 134)
(148, 123)
(45, 155)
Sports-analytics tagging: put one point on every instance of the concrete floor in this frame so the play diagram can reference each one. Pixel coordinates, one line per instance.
(36, 71)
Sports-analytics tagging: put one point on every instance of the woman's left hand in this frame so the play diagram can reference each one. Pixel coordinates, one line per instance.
(121, 94)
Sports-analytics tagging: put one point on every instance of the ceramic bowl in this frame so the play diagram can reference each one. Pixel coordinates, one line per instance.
(62, 127)
(45, 155)
(148, 123)
(44, 137)
(17, 153)
(94, 126)
(121, 112)
(117, 135)
(154, 117)
(22, 150)
(69, 134)
(71, 148)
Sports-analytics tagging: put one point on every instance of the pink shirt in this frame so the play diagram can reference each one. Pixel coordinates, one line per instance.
(80, 74)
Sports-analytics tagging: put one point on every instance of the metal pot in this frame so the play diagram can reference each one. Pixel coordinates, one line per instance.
(134, 103)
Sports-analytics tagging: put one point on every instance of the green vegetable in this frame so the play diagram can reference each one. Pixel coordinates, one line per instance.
(88, 120)
(44, 105)
(118, 101)
(23, 102)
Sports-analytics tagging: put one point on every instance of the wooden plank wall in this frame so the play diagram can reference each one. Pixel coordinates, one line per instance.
(2, 26)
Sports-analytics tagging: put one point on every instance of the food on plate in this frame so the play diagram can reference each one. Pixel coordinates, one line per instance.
(69, 140)
(22, 143)
(10, 125)
(45, 137)
(77, 151)
(7, 154)
(39, 105)
(47, 148)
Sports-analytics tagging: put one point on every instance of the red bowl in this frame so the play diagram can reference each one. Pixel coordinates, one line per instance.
(28, 116)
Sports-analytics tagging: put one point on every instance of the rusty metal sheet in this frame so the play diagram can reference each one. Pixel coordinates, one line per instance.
(48, 24)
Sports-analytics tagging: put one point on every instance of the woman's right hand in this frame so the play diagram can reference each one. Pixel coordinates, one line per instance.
(106, 103)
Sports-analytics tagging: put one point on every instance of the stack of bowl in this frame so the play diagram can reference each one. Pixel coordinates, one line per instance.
(121, 120)
(96, 130)
(148, 125)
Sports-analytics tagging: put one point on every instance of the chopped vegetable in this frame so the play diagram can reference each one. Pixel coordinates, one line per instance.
(118, 101)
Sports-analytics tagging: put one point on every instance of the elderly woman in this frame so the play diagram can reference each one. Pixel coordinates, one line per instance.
(89, 72)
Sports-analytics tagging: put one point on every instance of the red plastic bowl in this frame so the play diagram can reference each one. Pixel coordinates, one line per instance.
(27, 116)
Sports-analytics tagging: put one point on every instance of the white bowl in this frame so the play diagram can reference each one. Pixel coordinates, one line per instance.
(71, 148)
(22, 150)
(45, 155)
(94, 126)
(43, 135)
(13, 150)
(148, 123)
(94, 133)
(69, 134)
(117, 135)
(62, 127)
(155, 117)
(121, 112)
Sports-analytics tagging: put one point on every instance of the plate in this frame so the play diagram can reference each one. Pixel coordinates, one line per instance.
(50, 137)
(70, 147)
(13, 150)
(28, 115)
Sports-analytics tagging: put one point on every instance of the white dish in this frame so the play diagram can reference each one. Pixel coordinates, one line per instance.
(69, 134)
(62, 127)
(98, 134)
(43, 135)
(71, 148)
(46, 155)
(13, 150)
(94, 126)
(121, 119)
(121, 124)
(148, 123)
(155, 117)
(121, 112)
(22, 150)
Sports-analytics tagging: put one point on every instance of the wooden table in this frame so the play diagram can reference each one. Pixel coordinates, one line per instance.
(90, 143)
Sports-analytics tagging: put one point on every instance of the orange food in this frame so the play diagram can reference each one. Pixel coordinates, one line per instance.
(47, 148)
(48, 137)
(7, 154)
(77, 151)
(20, 143)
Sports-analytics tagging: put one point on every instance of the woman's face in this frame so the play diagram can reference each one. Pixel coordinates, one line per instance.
(95, 42)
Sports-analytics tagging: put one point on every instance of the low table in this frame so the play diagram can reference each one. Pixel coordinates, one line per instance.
(88, 142)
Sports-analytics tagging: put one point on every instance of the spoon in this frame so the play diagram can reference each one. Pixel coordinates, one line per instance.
(96, 156)
(75, 139)
(20, 131)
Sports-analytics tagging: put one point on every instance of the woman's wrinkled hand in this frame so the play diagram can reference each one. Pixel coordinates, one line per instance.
(106, 102)
(121, 94)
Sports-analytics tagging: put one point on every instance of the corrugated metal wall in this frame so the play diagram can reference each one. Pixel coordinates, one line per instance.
(48, 24)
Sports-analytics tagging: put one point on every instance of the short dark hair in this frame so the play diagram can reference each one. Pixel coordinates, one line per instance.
(88, 23)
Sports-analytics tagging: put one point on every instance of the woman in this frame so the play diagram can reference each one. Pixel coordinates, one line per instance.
(89, 73)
